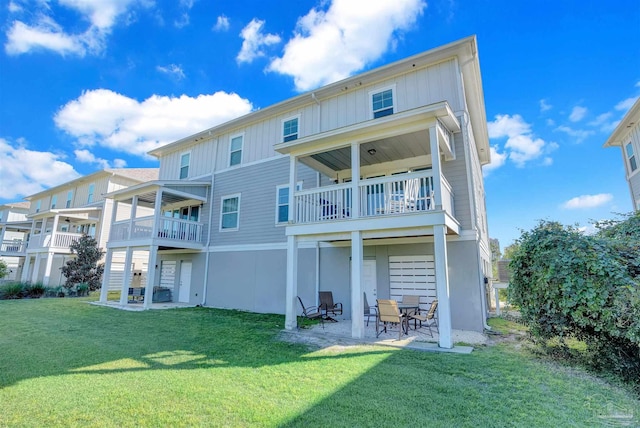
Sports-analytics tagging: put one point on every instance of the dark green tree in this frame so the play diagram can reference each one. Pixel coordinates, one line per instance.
(84, 268)
(495, 255)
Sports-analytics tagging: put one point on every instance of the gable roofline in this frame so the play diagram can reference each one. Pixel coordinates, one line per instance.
(465, 50)
(21, 205)
(136, 174)
(628, 121)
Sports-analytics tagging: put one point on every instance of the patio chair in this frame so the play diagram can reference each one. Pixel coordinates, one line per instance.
(311, 313)
(369, 311)
(388, 313)
(429, 318)
(327, 305)
(409, 299)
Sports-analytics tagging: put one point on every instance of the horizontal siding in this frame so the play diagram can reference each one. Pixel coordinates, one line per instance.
(455, 171)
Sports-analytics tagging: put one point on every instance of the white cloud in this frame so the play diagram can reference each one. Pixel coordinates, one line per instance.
(85, 156)
(625, 105)
(222, 24)
(123, 124)
(254, 40)
(14, 7)
(579, 134)
(601, 119)
(497, 160)
(43, 32)
(544, 106)
(172, 70)
(587, 201)
(24, 172)
(329, 45)
(577, 114)
(521, 145)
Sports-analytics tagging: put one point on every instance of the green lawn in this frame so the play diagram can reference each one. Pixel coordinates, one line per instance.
(64, 362)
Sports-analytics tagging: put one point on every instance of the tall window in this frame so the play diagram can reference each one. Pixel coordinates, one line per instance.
(230, 212)
(282, 202)
(631, 157)
(382, 103)
(54, 201)
(92, 188)
(69, 199)
(290, 130)
(184, 165)
(235, 151)
(38, 206)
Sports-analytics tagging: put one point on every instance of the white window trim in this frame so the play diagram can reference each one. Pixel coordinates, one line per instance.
(283, 186)
(382, 89)
(627, 160)
(241, 150)
(188, 165)
(235, 195)
(286, 120)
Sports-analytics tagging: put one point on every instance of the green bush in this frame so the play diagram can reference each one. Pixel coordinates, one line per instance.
(12, 290)
(571, 285)
(34, 291)
(82, 289)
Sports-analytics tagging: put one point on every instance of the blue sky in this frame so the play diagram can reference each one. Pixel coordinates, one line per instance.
(88, 84)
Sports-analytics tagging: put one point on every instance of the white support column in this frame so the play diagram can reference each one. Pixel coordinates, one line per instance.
(54, 231)
(357, 301)
(158, 217)
(106, 276)
(132, 214)
(25, 268)
(290, 318)
(435, 167)
(442, 286)
(293, 174)
(355, 180)
(36, 268)
(126, 279)
(152, 272)
(2, 230)
(47, 268)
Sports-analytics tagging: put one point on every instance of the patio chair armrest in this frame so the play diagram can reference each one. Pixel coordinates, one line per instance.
(338, 305)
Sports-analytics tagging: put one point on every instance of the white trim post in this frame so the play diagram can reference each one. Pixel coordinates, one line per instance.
(106, 276)
(36, 268)
(435, 166)
(357, 301)
(25, 268)
(151, 276)
(47, 268)
(442, 286)
(126, 278)
(290, 319)
(355, 180)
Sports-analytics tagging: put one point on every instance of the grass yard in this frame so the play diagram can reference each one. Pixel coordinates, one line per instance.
(64, 362)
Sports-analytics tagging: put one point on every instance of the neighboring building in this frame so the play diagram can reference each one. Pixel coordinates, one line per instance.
(14, 233)
(372, 184)
(627, 137)
(61, 215)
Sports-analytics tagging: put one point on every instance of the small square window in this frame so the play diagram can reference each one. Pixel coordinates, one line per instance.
(290, 130)
(235, 156)
(382, 103)
(185, 159)
(230, 211)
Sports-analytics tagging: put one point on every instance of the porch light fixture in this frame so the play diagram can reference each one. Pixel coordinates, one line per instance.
(67, 220)
(372, 151)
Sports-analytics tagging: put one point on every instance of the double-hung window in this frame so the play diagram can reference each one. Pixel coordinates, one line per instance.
(631, 158)
(92, 188)
(235, 150)
(282, 202)
(382, 103)
(290, 129)
(69, 199)
(54, 202)
(185, 159)
(38, 206)
(230, 212)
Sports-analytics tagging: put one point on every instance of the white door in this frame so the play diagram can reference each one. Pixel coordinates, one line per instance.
(413, 275)
(185, 282)
(369, 283)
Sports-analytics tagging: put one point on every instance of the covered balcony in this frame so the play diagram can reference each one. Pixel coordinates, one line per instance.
(56, 230)
(14, 238)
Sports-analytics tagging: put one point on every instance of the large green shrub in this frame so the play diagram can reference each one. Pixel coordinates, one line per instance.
(11, 290)
(84, 268)
(571, 285)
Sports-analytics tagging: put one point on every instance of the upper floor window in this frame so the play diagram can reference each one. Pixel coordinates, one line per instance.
(38, 206)
(69, 199)
(92, 188)
(382, 103)
(235, 150)
(290, 129)
(230, 212)
(631, 157)
(185, 159)
(54, 201)
(282, 202)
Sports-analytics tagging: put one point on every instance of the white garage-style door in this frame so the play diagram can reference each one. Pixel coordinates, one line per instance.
(413, 275)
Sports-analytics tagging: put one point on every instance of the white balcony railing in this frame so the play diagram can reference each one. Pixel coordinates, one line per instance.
(384, 196)
(168, 228)
(60, 240)
(65, 239)
(13, 246)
